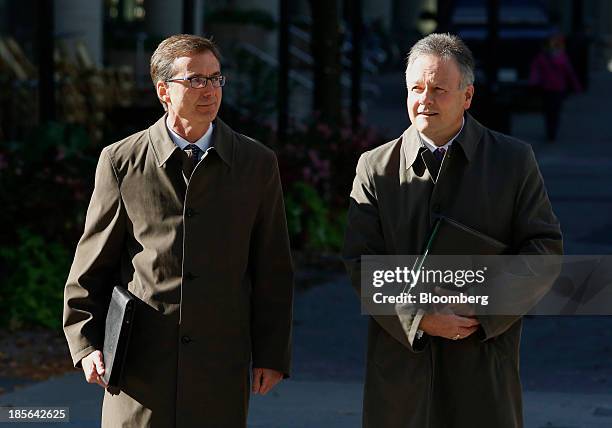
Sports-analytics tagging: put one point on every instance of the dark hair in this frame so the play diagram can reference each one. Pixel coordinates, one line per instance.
(174, 47)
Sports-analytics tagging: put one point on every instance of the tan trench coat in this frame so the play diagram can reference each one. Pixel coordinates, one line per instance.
(211, 262)
(490, 182)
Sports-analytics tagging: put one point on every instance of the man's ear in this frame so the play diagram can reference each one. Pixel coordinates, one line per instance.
(469, 95)
(162, 92)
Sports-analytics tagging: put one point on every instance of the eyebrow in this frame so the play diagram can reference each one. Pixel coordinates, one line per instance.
(438, 84)
(215, 74)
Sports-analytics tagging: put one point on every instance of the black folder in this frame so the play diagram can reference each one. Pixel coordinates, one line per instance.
(449, 237)
(119, 321)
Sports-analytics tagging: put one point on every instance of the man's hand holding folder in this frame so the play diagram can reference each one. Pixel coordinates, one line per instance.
(93, 368)
(449, 237)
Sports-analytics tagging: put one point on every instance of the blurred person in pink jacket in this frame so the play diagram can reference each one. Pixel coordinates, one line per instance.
(553, 74)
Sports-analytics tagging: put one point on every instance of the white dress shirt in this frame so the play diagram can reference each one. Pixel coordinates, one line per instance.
(427, 142)
(203, 143)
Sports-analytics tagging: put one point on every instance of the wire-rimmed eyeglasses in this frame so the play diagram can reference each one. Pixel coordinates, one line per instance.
(198, 82)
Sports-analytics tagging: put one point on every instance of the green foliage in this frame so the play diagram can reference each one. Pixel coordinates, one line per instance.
(31, 293)
(310, 220)
(45, 182)
(317, 165)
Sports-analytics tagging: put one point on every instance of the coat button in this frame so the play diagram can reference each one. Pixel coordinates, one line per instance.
(190, 212)
(185, 339)
(190, 276)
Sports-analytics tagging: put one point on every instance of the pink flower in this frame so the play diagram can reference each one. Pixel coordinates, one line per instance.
(324, 130)
(325, 170)
(61, 153)
(314, 158)
(306, 172)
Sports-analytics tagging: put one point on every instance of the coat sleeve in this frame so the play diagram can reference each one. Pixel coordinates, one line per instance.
(536, 231)
(272, 280)
(95, 266)
(364, 236)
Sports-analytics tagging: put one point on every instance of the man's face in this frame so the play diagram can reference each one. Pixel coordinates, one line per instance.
(197, 106)
(436, 101)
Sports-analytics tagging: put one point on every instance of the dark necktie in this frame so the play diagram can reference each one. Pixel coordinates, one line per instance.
(190, 160)
(439, 154)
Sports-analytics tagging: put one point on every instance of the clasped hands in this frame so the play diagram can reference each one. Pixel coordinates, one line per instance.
(451, 321)
(263, 379)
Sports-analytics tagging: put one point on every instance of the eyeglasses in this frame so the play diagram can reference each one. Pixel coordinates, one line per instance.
(198, 82)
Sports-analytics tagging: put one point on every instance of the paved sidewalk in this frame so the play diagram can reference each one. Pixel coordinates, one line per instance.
(311, 404)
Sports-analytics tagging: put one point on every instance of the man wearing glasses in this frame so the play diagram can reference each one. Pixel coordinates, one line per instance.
(189, 216)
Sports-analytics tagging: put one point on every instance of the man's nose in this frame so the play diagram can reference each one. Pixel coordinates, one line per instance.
(209, 89)
(206, 93)
(426, 97)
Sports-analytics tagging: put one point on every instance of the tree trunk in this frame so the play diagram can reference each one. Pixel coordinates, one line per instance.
(325, 47)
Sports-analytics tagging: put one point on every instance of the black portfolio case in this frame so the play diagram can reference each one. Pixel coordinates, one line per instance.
(119, 320)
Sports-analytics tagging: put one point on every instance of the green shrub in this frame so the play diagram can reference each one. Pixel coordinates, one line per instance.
(32, 284)
(45, 183)
(312, 225)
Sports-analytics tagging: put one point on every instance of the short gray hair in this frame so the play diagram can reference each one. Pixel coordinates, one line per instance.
(446, 46)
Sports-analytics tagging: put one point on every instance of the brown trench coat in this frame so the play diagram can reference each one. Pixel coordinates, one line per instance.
(492, 183)
(211, 262)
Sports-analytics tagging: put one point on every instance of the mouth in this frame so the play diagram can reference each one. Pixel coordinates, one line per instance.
(427, 114)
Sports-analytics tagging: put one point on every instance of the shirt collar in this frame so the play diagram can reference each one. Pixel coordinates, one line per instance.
(203, 143)
(427, 142)
(163, 146)
(467, 138)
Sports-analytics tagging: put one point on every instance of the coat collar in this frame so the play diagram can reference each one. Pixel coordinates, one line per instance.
(223, 141)
(468, 140)
(163, 146)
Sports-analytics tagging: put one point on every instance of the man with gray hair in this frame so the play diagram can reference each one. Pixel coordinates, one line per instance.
(445, 369)
(188, 215)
